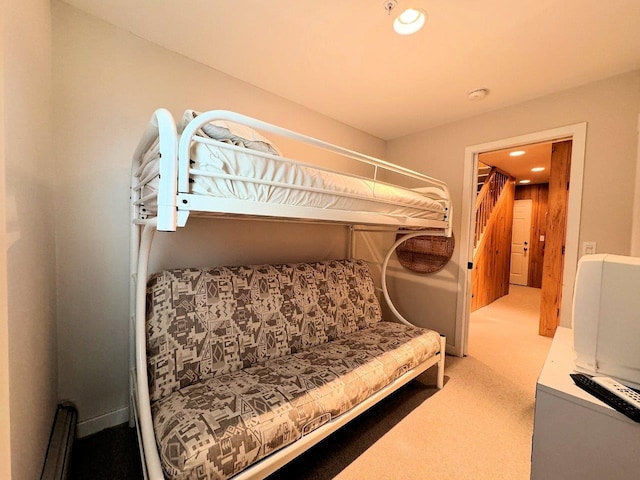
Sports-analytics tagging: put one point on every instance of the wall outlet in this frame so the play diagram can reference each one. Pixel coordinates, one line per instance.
(588, 248)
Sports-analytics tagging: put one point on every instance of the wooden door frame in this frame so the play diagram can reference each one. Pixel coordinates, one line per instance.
(577, 133)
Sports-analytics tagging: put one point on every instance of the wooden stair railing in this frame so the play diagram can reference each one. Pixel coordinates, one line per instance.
(492, 242)
(486, 201)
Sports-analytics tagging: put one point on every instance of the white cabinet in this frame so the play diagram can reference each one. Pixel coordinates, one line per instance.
(575, 435)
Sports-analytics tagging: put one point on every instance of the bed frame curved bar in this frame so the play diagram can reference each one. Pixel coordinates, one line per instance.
(163, 127)
(383, 275)
(394, 310)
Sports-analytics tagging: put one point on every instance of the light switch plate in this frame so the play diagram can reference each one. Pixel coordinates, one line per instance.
(588, 248)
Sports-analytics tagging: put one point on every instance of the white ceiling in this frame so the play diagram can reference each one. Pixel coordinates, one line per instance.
(342, 58)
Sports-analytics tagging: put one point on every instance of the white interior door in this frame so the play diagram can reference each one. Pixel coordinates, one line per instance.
(520, 242)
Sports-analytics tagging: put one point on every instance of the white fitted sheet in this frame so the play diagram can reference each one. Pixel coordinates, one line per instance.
(328, 190)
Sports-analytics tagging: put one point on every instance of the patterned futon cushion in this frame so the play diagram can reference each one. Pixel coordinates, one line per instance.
(205, 322)
(214, 429)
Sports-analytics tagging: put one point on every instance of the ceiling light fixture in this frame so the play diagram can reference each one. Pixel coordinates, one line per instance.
(478, 94)
(537, 169)
(524, 181)
(517, 153)
(410, 20)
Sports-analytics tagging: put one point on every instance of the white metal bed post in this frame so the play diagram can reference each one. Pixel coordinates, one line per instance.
(163, 128)
(449, 230)
(352, 242)
(443, 348)
(167, 189)
(134, 245)
(151, 457)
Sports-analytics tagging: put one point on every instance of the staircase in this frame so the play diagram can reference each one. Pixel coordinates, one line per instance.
(492, 238)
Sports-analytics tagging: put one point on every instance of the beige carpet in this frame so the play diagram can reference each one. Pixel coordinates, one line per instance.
(478, 427)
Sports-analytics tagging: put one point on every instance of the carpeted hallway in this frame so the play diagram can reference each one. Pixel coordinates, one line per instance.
(478, 427)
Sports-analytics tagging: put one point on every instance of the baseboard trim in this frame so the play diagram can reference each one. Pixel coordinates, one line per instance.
(107, 420)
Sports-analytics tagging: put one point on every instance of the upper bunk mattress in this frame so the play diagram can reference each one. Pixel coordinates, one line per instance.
(228, 171)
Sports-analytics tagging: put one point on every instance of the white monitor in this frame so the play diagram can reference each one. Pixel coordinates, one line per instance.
(606, 317)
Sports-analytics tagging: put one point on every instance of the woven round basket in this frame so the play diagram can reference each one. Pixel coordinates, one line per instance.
(426, 253)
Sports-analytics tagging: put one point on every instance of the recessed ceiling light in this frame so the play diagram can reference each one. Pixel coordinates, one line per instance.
(524, 181)
(517, 153)
(409, 21)
(537, 169)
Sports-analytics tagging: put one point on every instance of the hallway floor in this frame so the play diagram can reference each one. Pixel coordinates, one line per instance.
(512, 319)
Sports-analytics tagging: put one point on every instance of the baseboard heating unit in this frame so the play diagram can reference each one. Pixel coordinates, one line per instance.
(58, 459)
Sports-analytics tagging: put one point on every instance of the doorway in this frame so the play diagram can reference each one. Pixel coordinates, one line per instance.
(513, 238)
(576, 133)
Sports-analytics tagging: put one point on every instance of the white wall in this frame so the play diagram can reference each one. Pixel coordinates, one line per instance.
(635, 234)
(27, 202)
(107, 83)
(5, 423)
(611, 109)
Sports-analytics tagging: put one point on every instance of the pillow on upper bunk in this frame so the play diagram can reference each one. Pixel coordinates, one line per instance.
(234, 133)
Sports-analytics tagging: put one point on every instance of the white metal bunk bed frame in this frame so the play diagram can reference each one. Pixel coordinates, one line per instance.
(175, 204)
